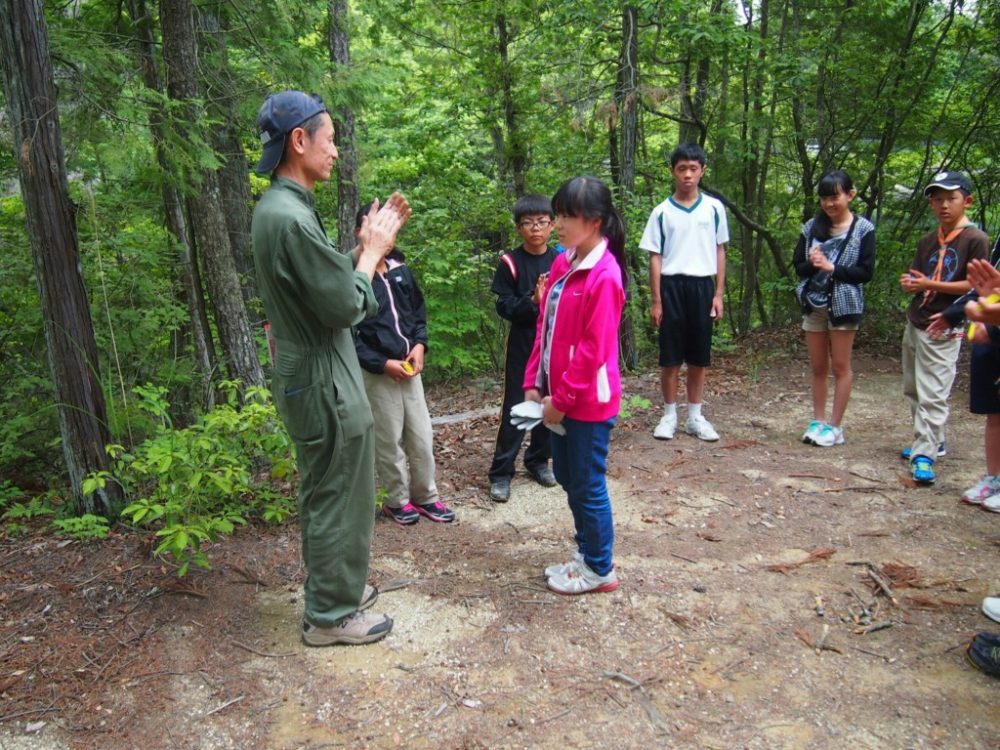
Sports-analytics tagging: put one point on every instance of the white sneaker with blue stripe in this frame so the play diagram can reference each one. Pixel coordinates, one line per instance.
(829, 436)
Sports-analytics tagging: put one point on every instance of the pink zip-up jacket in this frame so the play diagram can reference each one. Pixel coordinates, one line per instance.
(583, 380)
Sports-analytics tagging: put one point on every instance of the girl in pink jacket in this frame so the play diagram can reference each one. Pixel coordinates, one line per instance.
(573, 372)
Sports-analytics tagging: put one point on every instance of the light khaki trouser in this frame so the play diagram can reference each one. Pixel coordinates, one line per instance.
(404, 441)
(928, 374)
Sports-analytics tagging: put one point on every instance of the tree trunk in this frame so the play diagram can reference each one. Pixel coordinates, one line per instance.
(201, 335)
(627, 99)
(222, 90)
(69, 329)
(348, 201)
(205, 205)
(515, 153)
(627, 105)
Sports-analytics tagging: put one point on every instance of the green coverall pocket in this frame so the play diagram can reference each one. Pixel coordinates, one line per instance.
(300, 408)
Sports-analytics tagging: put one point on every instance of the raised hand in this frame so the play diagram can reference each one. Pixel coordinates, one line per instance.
(382, 224)
(985, 279)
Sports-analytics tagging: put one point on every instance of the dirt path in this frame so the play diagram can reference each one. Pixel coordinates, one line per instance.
(702, 647)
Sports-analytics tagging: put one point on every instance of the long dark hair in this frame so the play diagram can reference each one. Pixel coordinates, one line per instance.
(590, 198)
(837, 181)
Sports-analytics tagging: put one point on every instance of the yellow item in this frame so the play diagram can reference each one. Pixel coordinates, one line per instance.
(992, 299)
(407, 368)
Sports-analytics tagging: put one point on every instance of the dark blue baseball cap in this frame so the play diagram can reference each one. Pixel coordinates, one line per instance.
(949, 181)
(280, 114)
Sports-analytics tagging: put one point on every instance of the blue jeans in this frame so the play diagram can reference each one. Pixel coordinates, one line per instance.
(580, 462)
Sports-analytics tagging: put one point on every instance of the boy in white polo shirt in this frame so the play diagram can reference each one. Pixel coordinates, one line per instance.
(686, 238)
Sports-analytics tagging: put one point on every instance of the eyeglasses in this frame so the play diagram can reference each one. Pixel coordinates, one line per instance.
(541, 224)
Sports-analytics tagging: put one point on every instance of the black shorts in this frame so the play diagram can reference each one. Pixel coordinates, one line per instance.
(984, 371)
(686, 329)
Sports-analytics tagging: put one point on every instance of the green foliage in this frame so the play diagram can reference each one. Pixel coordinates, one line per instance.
(9, 492)
(87, 527)
(36, 507)
(18, 514)
(631, 405)
(199, 482)
(443, 114)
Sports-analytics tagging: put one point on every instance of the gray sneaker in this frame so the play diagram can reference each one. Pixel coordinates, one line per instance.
(544, 476)
(500, 490)
(356, 628)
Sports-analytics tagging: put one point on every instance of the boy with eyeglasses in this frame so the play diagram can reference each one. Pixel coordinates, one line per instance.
(518, 283)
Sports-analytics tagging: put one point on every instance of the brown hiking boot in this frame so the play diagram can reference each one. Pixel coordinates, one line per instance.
(356, 628)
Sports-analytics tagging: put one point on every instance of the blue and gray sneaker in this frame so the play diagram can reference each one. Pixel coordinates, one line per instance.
(907, 452)
(923, 470)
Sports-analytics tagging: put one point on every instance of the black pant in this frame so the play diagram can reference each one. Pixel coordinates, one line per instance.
(508, 440)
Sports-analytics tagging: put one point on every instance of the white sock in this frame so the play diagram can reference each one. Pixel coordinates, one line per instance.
(670, 410)
(694, 411)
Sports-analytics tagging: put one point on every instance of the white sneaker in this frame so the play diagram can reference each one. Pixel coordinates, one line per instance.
(564, 568)
(812, 431)
(984, 488)
(701, 428)
(991, 607)
(992, 503)
(583, 580)
(829, 436)
(666, 428)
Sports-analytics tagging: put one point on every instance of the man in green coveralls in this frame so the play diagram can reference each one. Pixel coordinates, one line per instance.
(312, 295)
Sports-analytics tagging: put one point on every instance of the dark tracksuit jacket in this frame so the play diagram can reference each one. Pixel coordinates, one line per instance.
(514, 285)
(401, 322)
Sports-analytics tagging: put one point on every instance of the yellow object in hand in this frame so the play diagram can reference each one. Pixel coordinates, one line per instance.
(407, 368)
(992, 299)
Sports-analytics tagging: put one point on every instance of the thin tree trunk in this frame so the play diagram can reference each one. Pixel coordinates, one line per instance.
(201, 335)
(515, 154)
(627, 99)
(222, 90)
(205, 205)
(69, 329)
(627, 106)
(348, 201)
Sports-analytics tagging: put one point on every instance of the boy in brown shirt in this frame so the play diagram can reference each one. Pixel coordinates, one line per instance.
(936, 279)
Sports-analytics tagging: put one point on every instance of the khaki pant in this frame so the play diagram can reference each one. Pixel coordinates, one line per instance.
(404, 441)
(928, 374)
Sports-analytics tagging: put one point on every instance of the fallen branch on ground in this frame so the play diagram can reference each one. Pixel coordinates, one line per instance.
(225, 705)
(819, 644)
(656, 717)
(820, 553)
(925, 602)
(260, 653)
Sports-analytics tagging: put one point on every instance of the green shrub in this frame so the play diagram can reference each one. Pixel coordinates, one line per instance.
(194, 484)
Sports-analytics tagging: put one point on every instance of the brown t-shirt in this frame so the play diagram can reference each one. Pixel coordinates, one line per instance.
(971, 243)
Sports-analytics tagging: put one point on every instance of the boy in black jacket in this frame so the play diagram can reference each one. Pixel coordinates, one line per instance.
(518, 283)
(391, 349)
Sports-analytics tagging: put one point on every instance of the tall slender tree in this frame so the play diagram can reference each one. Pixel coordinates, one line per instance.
(222, 91)
(173, 204)
(205, 205)
(339, 40)
(69, 329)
